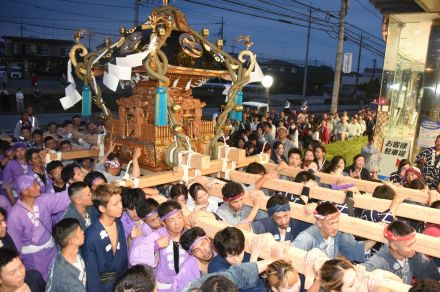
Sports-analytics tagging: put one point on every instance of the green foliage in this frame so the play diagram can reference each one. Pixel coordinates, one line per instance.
(347, 149)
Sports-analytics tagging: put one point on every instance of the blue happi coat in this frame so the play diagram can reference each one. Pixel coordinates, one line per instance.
(344, 244)
(268, 225)
(99, 257)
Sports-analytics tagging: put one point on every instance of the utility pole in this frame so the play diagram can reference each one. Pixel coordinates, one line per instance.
(90, 37)
(337, 79)
(306, 62)
(358, 65)
(221, 32)
(136, 12)
(21, 24)
(374, 69)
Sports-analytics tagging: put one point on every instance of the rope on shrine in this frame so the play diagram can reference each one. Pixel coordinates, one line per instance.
(186, 166)
(100, 143)
(264, 157)
(225, 160)
(127, 173)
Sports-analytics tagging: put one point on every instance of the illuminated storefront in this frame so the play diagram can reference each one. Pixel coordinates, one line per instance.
(410, 88)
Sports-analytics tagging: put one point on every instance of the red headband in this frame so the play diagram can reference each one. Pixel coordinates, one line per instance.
(391, 236)
(233, 197)
(327, 217)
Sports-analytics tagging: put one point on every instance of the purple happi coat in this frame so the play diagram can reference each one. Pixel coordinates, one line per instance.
(189, 271)
(127, 223)
(163, 261)
(31, 231)
(138, 253)
(45, 188)
(12, 171)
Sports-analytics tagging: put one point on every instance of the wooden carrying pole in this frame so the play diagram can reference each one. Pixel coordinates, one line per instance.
(425, 244)
(75, 154)
(367, 202)
(362, 185)
(177, 173)
(295, 255)
(370, 230)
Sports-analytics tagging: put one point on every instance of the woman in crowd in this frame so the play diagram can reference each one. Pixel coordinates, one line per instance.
(179, 193)
(357, 169)
(411, 174)
(202, 199)
(281, 276)
(398, 177)
(277, 155)
(309, 155)
(241, 143)
(336, 166)
(336, 275)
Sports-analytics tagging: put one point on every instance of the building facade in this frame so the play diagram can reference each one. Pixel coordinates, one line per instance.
(411, 74)
(36, 55)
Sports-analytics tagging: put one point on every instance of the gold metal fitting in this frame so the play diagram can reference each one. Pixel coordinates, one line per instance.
(238, 108)
(122, 30)
(227, 127)
(177, 129)
(176, 107)
(107, 41)
(161, 31)
(205, 32)
(219, 44)
(169, 23)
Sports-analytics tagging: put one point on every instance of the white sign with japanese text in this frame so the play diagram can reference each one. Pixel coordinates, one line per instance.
(393, 151)
(346, 67)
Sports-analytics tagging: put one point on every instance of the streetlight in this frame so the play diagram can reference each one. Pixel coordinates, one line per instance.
(267, 83)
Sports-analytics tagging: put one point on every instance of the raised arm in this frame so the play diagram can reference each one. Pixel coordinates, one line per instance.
(136, 172)
(110, 149)
(258, 197)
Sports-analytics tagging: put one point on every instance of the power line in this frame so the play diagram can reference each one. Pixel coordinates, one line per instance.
(64, 12)
(57, 27)
(97, 4)
(251, 14)
(369, 10)
(315, 18)
(333, 16)
(272, 12)
(55, 19)
(376, 50)
(329, 29)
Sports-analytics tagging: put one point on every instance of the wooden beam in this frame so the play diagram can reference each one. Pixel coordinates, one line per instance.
(367, 202)
(199, 161)
(295, 255)
(75, 154)
(362, 185)
(176, 174)
(234, 154)
(410, 211)
(425, 244)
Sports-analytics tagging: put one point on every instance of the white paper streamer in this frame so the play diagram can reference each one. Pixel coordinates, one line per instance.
(110, 81)
(256, 75)
(72, 95)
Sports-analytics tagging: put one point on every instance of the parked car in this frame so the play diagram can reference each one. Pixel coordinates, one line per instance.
(16, 73)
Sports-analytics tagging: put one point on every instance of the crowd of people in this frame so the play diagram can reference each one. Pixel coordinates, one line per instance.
(299, 128)
(70, 226)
